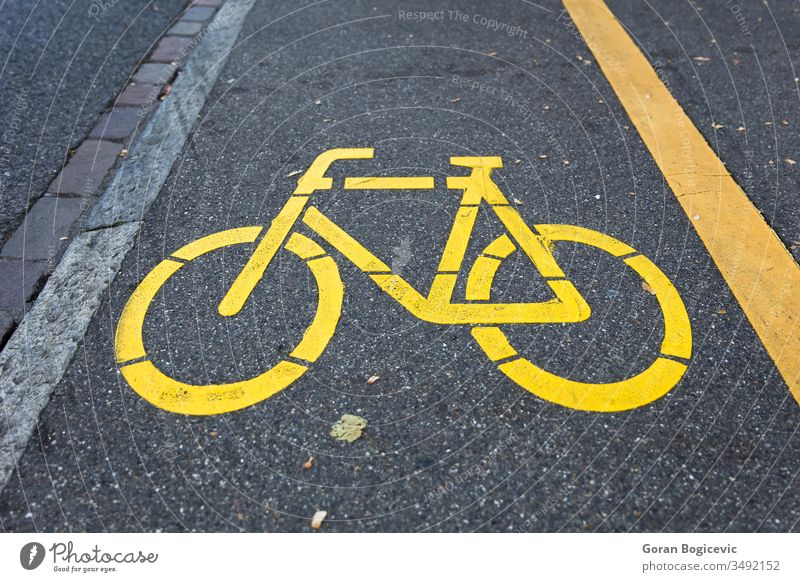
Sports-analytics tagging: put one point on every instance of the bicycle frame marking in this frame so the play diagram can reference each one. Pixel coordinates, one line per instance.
(567, 305)
(437, 307)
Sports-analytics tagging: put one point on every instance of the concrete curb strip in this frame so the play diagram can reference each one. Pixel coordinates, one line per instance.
(40, 350)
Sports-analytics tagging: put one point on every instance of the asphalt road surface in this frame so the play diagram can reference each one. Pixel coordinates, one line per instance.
(63, 62)
(451, 443)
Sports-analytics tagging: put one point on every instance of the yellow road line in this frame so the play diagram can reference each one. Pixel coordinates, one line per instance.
(389, 183)
(762, 274)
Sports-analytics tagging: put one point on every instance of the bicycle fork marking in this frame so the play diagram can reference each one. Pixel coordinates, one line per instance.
(567, 305)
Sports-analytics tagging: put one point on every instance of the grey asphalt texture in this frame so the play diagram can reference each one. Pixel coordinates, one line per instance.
(61, 68)
(451, 444)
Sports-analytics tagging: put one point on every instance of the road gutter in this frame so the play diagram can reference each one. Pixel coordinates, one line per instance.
(40, 350)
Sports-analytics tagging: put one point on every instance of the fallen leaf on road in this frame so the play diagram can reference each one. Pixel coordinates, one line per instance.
(492, 54)
(349, 428)
(717, 125)
(648, 288)
(373, 379)
(455, 99)
(309, 463)
(518, 201)
(294, 173)
(319, 517)
(722, 311)
(790, 161)
(701, 59)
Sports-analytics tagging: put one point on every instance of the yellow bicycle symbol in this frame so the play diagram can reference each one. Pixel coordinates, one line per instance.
(438, 306)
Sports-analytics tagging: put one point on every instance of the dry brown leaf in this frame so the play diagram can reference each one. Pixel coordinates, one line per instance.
(455, 99)
(123, 152)
(309, 463)
(373, 379)
(492, 54)
(648, 288)
(790, 161)
(717, 125)
(542, 156)
(518, 201)
(722, 311)
(318, 518)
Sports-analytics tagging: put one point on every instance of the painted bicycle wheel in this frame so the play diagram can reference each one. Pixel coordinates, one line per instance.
(658, 379)
(194, 399)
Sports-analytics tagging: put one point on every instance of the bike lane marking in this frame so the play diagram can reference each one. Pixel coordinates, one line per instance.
(763, 276)
(437, 307)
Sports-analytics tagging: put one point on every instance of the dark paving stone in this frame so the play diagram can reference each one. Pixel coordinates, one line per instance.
(171, 49)
(134, 95)
(85, 171)
(119, 123)
(7, 324)
(18, 282)
(153, 74)
(39, 236)
(198, 13)
(187, 28)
